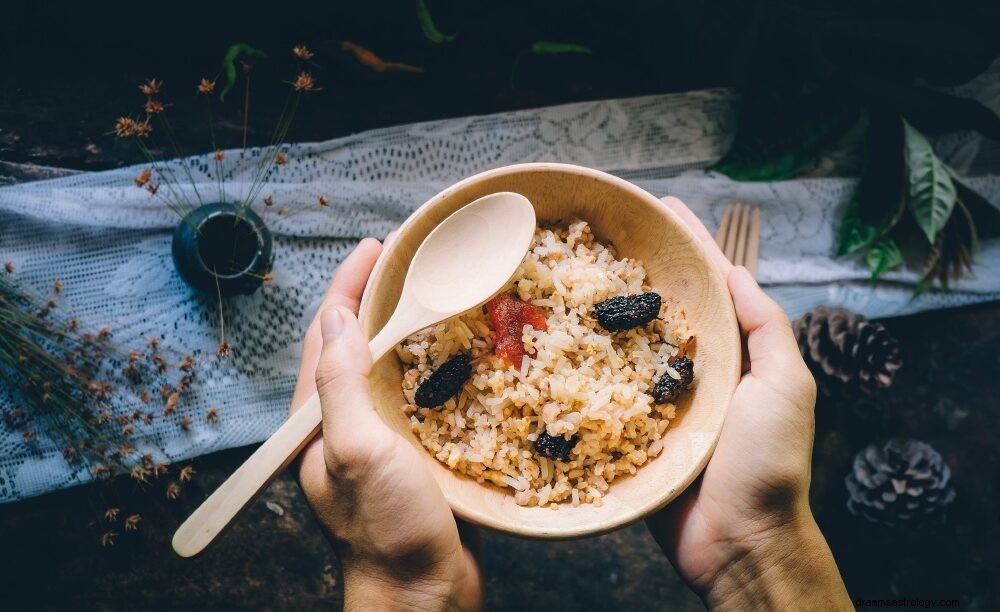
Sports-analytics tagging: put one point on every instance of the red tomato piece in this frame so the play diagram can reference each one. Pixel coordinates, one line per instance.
(509, 316)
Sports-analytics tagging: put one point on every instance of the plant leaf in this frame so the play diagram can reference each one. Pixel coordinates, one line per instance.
(782, 132)
(878, 200)
(427, 26)
(883, 255)
(543, 47)
(229, 64)
(932, 193)
(985, 215)
(854, 233)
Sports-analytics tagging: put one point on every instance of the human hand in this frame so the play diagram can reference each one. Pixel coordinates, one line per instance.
(743, 535)
(395, 535)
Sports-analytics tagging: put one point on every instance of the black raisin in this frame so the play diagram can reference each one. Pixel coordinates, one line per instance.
(628, 311)
(684, 367)
(445, 382)
(668, 388)
(554, 447)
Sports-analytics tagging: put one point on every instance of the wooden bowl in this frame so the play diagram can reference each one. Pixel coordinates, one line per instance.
(640, 226)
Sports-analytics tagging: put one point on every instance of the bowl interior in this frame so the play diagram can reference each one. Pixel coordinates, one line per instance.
(639, 226)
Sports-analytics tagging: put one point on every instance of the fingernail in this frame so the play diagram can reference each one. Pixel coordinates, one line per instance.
(331, 323)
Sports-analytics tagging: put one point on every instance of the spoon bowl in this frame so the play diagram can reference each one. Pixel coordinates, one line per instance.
(460, 264)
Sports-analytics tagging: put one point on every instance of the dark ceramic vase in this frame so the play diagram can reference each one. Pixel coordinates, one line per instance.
(223, 247)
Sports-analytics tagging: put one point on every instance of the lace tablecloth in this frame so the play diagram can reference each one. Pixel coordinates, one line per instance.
(109, 242)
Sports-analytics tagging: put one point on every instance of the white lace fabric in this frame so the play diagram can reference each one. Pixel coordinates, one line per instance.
(109, 243)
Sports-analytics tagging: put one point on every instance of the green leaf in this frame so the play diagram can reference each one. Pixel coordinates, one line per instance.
(932, 193)
(878, 200)
(985, 215)
(543, 47)
(782, 132)
(854, 233)
(430, 30)
(229, 64)
(883, 255)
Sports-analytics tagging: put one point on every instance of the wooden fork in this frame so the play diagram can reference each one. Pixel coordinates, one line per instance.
(739, 235)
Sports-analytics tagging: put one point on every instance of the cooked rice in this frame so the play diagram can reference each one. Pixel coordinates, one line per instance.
(579, 379)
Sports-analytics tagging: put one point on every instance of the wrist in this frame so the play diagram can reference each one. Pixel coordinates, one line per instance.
(368, 586)
(784, 566)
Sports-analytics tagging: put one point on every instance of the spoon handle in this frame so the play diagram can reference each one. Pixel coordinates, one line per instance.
(236, 493)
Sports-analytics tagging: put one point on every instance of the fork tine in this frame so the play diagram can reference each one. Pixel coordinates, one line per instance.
(753, 244)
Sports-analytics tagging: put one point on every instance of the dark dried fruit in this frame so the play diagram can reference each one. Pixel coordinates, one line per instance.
(445, 382)
(628, 311)
(555, 447)
(668, 388)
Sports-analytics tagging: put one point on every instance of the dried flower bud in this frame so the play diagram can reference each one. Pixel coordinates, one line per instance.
(125, 127)
(269, 201)
(154, 107)
(143, 129)
(152, 188)
(143, 177)
(185, 424)
(8, 267)
(187, 473)
(173, 490)
(148, 418)
(153, 343)
(108, 539)
(304, 82)
(206, 86)
(281, 159)
(72, 325)
(171, 405)
(224, 349)
(323, 200)
(212, 416)
(111, 514)
(104, 333)
(268, 277)
(104, 417)
(187, 364)
(128, 430)
(219, 155)
(57, 286)
(29, 435)
(160, 469)
(144, 397)
(301, 52)
(132, 522)
(282, 212)
(151, 87)
(101, 471)
(139, 473)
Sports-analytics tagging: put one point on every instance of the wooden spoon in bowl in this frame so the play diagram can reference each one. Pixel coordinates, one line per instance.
(461, 264)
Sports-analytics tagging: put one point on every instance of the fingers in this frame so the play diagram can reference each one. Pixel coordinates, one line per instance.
(774, 353)
(351, 428)
(345, 290)
(706, 239)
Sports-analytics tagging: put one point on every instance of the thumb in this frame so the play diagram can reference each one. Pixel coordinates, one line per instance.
(349, 418)
(774, 353)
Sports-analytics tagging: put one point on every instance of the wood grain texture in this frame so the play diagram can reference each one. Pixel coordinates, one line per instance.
(639, 226)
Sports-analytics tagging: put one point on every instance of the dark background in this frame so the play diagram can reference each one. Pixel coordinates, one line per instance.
(69, 69)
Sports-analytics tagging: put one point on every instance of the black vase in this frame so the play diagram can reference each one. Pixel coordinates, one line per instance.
(222, 247)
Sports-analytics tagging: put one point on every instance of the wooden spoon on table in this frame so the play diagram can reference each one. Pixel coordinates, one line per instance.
(461, 264)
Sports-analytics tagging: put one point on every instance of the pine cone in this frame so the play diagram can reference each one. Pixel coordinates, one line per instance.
(846, 351)
(902, 483)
